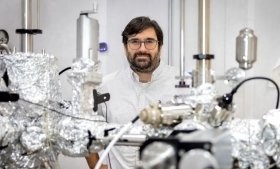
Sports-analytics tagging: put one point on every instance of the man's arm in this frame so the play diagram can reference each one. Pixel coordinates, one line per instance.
(92, 161)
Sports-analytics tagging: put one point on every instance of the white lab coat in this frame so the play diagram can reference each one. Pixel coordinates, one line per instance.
(128, 98)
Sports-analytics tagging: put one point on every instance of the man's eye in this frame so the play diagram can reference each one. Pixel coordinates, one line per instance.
(149, 41)
(135, 41)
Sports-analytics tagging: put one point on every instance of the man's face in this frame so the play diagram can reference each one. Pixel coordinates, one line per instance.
(141, 59)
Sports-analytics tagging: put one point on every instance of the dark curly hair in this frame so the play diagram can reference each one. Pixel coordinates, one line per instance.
(139, 24)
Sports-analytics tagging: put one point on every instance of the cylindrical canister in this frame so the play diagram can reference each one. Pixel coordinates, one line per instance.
(87, 37)
(246, 48)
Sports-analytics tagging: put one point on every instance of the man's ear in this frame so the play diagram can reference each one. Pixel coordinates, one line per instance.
(125, 48)
(159, 49)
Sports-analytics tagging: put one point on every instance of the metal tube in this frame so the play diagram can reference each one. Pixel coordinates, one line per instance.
(27, 14)
(202, 74)
(182, 39)
(27, 39)
(203, 26)
(170, 16)
(246, 48)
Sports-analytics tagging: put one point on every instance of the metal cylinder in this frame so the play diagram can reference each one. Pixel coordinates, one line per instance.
(182, 39)
(246, 48)
(27, 14)
(203, 26)
(27, 39)
(170, 16)
(203, 73)
(168, 114)
(87, 37)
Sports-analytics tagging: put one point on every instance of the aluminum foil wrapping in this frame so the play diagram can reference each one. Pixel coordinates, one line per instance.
(11, 123)
(270, 135)
(247, 145)
(2, 71)
(72, 136)
(33, 76)
(84, 78)
(40, 125)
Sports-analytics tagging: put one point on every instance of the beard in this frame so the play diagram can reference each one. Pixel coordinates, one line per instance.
(142, 62)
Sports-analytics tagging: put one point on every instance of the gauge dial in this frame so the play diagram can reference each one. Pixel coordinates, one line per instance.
(4, 37)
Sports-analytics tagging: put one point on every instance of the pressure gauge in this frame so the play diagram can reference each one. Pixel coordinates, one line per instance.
(4, 36)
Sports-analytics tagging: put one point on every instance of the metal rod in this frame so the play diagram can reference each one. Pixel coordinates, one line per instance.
(38, 13)
(182, 39)
(170, 18)
(27, 14)
(203, 26)
(202, 74)
(27, 39)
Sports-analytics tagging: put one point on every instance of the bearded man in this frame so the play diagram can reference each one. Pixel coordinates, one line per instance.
(146, 80)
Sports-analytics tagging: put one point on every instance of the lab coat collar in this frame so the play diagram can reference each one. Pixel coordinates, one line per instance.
(155, 75)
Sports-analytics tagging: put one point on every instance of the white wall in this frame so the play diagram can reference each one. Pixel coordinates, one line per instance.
(228, 17)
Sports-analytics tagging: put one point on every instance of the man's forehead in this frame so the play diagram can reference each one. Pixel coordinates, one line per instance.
(148, 33)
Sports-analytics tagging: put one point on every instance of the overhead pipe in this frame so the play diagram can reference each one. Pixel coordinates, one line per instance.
(170, 16)
(27, 31)
(182, 77)
(182, 38)
(202, 74)
(203, 26)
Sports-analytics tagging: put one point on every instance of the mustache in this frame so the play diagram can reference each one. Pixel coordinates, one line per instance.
(142, 54)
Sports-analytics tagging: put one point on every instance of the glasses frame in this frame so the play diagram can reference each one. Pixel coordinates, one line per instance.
(141, 42)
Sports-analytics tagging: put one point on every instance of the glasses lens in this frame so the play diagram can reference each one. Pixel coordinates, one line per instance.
(136, 44)
(150, 44)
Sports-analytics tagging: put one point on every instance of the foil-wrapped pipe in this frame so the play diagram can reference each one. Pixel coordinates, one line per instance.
(247, 143)
(270, 135)
(85, 76)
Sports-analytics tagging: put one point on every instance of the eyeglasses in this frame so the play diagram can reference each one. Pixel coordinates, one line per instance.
(149, 44)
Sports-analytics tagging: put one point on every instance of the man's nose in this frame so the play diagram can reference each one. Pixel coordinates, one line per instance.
(142, 46)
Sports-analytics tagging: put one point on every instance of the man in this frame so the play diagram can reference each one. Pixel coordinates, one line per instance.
(146, 80)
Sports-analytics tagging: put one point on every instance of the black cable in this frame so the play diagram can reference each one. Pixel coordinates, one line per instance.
(234, 90)
(58, 112)
(64, 70)
(135, 119)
